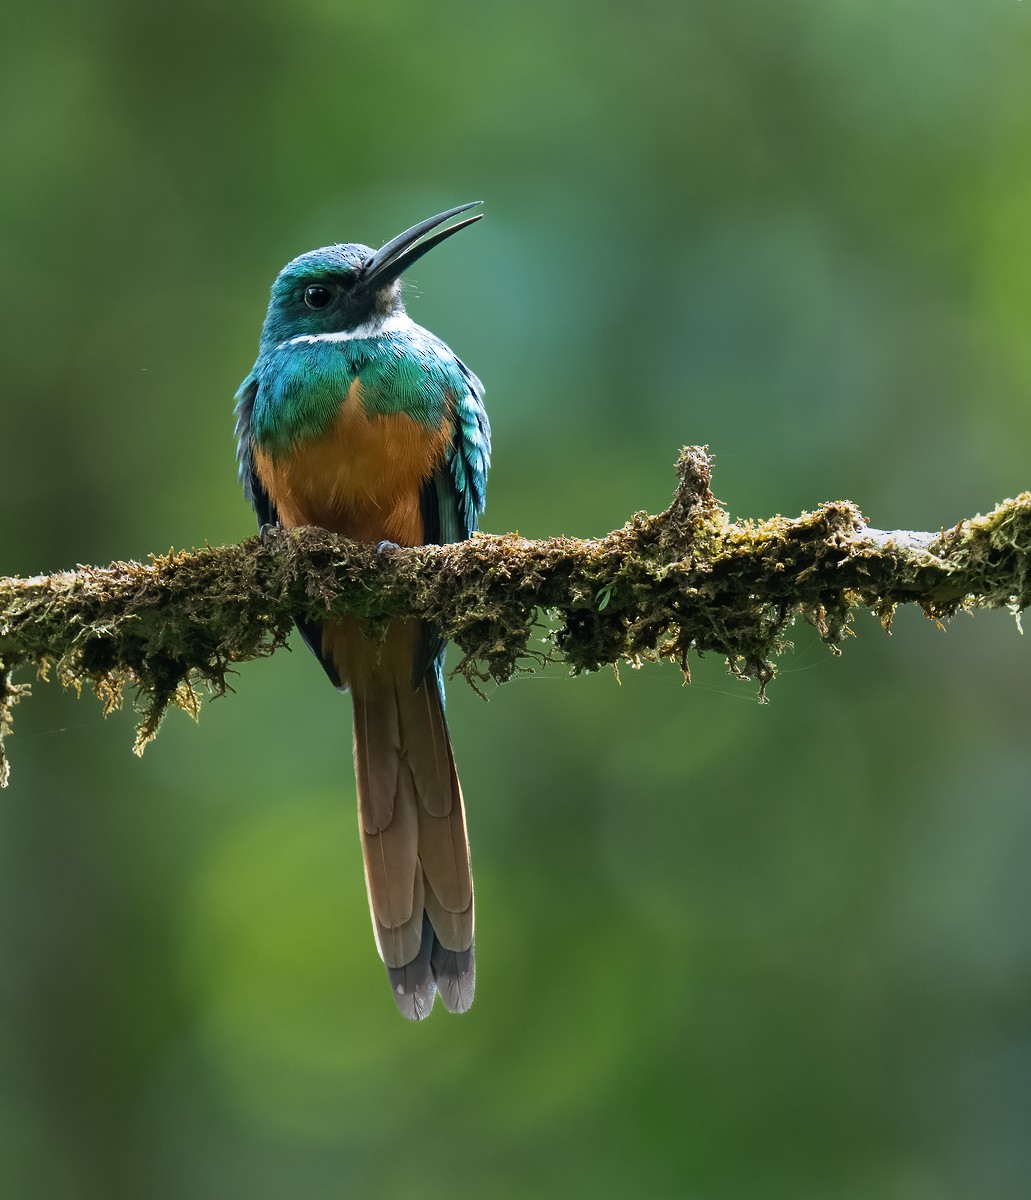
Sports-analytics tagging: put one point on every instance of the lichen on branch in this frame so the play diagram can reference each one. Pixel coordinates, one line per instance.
(688, 579)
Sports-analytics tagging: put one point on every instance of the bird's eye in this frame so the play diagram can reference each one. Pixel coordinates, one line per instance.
(316, 295)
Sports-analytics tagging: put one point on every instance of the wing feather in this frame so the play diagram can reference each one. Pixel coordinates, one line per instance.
(455, 495)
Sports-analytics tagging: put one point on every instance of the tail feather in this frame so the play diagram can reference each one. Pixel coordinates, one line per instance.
(414, 985)
(414, 843)
(398, 944)
(454, 930)
(444, 854)
(377, 755)
(388, 812)
(454, 972)
(428, 749)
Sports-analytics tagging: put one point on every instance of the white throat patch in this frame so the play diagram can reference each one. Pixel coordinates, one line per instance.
(397, 323)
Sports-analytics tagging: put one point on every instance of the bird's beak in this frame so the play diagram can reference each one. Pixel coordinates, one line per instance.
(399, 253)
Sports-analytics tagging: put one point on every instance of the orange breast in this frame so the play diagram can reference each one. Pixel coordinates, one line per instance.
(361, 478)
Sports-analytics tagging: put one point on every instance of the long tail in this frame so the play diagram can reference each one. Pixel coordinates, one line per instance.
(414, 842)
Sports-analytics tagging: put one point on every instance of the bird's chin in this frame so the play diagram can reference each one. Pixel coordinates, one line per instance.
(388, 300)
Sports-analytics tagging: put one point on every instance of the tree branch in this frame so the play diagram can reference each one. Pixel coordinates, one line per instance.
(660, 587)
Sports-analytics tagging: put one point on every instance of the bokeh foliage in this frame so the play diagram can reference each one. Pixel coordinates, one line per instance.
(725, 950)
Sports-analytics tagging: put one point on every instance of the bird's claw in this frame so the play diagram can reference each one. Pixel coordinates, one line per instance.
(268, 529)
(381, 547)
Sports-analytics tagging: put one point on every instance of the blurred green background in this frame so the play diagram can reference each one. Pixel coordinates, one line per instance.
(725, 951)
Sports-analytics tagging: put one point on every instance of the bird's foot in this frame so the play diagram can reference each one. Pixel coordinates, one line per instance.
(383, 547)
(269, 530)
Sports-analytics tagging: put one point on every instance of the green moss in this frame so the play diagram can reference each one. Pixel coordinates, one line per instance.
(662, 587)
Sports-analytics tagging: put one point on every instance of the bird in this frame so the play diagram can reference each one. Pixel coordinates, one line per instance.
(356, 419)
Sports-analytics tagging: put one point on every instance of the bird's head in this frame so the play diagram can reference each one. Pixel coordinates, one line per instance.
(339, 289)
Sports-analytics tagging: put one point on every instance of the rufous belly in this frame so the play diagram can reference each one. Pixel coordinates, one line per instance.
(362, 479)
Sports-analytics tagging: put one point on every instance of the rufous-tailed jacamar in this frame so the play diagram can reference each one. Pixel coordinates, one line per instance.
(356, 419)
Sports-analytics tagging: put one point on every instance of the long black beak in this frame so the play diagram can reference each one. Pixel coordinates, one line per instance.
(399, 253)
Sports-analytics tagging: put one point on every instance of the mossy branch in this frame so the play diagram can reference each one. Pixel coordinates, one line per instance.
(660, 587)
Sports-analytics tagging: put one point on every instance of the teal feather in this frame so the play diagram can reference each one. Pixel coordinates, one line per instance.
(300, 385)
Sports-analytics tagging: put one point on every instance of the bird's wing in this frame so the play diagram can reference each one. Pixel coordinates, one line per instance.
(454, 496)
(264, 509)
